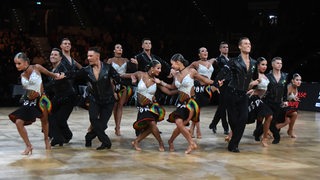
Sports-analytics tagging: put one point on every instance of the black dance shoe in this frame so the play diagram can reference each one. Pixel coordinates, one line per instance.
(276, 141)
(54, 142)
(234, 150)
(88, 143)
(103, 146)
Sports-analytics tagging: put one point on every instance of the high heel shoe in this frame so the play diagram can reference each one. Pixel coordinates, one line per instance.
(199, 136)
(161, 147)
(171, 146)
(191, 148)
(264, 142)
(27, 151)
(227, 139)
(117, 131)
(290, 133)
(136, 146)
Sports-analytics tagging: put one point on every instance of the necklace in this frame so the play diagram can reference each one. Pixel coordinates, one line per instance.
(182, 69)
(27, 68)
(150, 77)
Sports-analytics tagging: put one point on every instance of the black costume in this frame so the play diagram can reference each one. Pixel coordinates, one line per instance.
(237, 99)
(274, 98)
(221, 112)
(63, 95)
(101, 96)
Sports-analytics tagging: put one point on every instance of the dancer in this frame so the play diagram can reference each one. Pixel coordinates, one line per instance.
(149, 111)
(187, 107)
(240, 70)
(202, 90)
(123, 91)
(35, 104)
(290, 109)
(221, 112)
(99, 76)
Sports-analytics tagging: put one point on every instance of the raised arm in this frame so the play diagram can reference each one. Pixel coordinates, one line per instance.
(44, 71)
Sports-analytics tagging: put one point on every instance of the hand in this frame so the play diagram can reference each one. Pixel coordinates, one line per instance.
(284, 104)
(220, 82)
(156, 80)
(59, 76)
(213, 89)
(133, 79)
(134, 60)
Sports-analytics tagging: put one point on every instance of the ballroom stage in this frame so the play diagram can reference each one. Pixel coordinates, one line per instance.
(291, 159)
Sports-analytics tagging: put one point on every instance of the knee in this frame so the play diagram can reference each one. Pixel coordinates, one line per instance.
(19, 123)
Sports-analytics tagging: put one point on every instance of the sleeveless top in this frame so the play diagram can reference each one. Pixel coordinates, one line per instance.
(148, 92)
(120, 69)
(186, 84)
(203, 70)
(263, 85)
(33, 83)
(292, 96)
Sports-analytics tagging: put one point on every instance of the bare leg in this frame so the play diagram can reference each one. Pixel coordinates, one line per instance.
(293, 119)
(199, 136)
(156, 134)
(140, 137)
(192, 127)
(119, 110)
(45, 129)
(286, 122)
(175, 134)
(184, 131)
(266, 127)
(24, 135)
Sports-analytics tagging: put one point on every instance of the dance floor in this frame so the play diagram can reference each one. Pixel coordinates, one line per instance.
(297, 158)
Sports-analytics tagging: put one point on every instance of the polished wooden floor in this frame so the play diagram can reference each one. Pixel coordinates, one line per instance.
(291, 159)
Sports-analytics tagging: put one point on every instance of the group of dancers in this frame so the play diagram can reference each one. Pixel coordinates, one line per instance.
(246, 95)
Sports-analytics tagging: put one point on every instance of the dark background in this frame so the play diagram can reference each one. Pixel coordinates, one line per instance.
(276, 28)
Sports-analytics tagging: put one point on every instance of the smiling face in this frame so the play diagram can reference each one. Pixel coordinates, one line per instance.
(156, 70)
(262, 66)
(55, 57)
(65, 45)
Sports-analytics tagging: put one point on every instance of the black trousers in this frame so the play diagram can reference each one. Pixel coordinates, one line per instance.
(237, 108)
(221, 112)
(58, 119)
(99, 115)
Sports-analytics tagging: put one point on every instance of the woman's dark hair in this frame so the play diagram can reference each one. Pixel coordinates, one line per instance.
(295, 75)
(179, 57)
(260, 59)
(23, 56)
(256, 71)
(151, 64)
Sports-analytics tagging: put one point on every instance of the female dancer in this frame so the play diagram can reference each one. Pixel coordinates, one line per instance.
(149, 111)
(36, 104)
(123, 91)
(202, 90)
(290, 111)
(187, 108)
